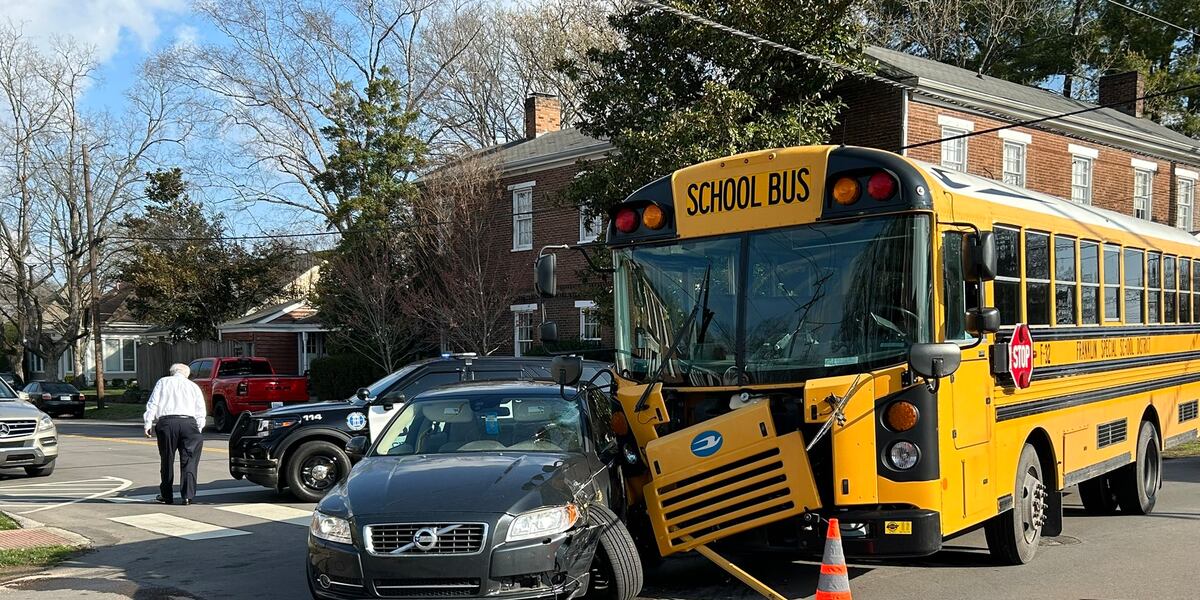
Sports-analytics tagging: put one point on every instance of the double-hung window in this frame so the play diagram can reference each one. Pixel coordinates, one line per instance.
(1081, 179)
(954, 151)
(589, 227)
(1037, 278)
(1143, 189)
(1135, 285)
(522, 201)
(523, 328)
(1014, 163)
(1112, 282)
(589, 321)
(1007, 286)
(120, 355)
(1185, 199)
(1064, 280)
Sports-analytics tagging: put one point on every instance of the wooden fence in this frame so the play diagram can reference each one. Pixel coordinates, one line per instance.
(153, 359)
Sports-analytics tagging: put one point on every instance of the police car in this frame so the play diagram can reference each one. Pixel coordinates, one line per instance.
(301, 447)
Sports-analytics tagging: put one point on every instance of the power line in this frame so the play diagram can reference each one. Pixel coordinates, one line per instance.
(1150, 16)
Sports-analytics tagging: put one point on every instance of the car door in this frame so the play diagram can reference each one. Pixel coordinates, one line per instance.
(202, 376)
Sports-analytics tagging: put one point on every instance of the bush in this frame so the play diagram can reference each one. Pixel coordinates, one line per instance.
(135, 395)
(340, 375)
(118, 383)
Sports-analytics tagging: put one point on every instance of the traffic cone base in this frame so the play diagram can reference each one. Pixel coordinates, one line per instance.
(834, 582)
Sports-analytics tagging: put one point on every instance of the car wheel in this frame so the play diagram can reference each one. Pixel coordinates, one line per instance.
(78, 414)
(1013, 536)
(616, 571)
(43, 471)
(1137, 485)
(1098, 496)
(222, 420)
(314, 468)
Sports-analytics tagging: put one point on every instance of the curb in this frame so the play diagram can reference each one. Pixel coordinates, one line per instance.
(75, 540)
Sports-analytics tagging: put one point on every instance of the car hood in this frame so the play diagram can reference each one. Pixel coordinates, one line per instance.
(16, 409)
(308, 408)
(497, 482)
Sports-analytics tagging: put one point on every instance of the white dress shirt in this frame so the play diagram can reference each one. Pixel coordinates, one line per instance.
(175, 395)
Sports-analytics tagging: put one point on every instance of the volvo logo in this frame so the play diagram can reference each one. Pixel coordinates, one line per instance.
(3, 429)
(425, 539)
(707, 444)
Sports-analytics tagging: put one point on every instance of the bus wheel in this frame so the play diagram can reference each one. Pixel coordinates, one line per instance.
(1137, 484)
(1013, 536)
(1098, 496)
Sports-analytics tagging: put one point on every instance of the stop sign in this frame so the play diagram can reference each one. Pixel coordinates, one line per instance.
(1020, 356)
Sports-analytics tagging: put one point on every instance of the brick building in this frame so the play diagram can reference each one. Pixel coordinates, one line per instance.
(1115, 159)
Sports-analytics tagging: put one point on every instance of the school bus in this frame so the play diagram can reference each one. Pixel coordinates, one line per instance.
(834, 331)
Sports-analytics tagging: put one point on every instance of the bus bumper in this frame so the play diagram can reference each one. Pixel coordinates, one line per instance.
(898, 533)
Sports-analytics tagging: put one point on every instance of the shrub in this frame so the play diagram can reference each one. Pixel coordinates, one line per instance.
(118, 383)
(135, 395)
(340, 375)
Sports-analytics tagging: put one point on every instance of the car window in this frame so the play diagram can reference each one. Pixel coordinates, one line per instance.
(59, 388)
(6, 392)
(426, 381)
(602, 419)
(451, 425)
(31, 388)
(242, 368)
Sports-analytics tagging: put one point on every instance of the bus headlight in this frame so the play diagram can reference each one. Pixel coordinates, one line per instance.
(904, 455)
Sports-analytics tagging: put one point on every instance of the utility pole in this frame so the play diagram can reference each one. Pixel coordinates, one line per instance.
(93, 259)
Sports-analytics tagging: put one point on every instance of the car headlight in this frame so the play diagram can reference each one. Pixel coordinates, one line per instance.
(334, 529)
(45, 423)
(543, 521)
(268, 425)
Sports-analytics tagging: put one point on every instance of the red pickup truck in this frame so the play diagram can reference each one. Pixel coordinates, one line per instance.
(234, 385)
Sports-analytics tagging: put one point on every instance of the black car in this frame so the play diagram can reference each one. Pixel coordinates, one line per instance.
(300, 447)
(481, 490)
(12, 380)
(55, 398)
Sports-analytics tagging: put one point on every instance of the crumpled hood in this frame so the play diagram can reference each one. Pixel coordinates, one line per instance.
(487, 482)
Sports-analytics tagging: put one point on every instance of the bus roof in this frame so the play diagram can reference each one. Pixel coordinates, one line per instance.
(1020, 198)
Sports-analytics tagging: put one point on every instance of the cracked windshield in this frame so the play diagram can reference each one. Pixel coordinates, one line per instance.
(778, 306)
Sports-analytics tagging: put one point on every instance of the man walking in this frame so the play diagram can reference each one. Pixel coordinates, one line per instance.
(175, 414)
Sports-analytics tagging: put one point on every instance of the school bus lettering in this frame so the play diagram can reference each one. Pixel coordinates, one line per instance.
(788, 186)
(1111, 348)
(741, 193)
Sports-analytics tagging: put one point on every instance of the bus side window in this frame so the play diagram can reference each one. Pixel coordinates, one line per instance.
(1153, 287)
(1007, 285)
(1185, 290)
(1089, 282)
(960, 294)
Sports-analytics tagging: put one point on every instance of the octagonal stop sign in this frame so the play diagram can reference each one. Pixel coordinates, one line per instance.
(1020, 356)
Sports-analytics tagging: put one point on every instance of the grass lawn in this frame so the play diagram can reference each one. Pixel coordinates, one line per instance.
(114, 411)
(1187, 450)
(7, 523)
(42, 556)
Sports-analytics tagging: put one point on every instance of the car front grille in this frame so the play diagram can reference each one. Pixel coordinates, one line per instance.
(427, 588)
(17, 427)
(402, 539)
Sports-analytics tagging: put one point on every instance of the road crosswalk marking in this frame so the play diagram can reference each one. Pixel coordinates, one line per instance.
(272, 512)
(179, 527)
(201, 492)
(28, 497)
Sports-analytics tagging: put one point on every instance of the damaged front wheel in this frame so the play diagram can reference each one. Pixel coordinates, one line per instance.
(616, 572)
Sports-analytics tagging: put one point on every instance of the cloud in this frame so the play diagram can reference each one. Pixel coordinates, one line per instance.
(101, 24)
(186, 36)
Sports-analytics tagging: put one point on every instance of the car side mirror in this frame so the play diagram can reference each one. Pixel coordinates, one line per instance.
(545, 275)
(984, 320)
(356, 448)
(934, 361)
(363, 393)
(566, 370)
(979, 257)
(548, 332)
(387, 401)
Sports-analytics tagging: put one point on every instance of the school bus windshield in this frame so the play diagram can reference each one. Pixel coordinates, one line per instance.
(781, 306)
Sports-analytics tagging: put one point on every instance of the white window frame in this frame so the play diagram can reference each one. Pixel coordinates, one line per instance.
(1143, 195)
(522, 310)
(589, 229)
(1185, 199)
(1084, 195)
(1017, 176)
(958, 146)
(522, 193)
(587, 307)
(119, 355)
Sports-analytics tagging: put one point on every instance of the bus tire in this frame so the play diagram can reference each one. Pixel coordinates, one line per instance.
(1098, 496)
(1013, 536)
(1137, 485)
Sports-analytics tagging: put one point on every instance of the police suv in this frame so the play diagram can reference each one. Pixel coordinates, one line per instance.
(301, 447)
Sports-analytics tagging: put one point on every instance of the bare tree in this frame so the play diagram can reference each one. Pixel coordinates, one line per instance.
(466, 292)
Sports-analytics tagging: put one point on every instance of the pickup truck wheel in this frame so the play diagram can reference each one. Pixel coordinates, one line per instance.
(314, 468)
(616, 572)
(222, 420)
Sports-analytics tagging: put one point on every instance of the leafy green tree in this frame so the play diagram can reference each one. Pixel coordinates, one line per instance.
(185, 276)
(674, 93)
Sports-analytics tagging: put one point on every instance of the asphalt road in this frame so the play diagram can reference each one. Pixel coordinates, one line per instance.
(246, 542)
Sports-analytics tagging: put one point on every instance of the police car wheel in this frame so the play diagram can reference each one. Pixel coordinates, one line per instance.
(616, 572)
(315, 468)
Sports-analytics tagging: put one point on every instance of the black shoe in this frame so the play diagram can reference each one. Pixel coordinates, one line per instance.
(187, 502)
(159, 499)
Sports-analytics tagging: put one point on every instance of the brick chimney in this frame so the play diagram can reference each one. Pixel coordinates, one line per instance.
(1124, 88)
(543, 114)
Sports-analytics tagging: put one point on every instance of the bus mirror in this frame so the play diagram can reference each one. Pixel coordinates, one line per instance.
(545, 275)
(934, 361)
(566, 370)
(548, 332)
(979, 257)
(981, 321)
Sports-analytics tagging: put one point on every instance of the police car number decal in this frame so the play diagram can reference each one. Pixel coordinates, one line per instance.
(356, 421)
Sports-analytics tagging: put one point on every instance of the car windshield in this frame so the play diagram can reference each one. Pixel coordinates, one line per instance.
(493, 423)
(59, 388)
(779, 306)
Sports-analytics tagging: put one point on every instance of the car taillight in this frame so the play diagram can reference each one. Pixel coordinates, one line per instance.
(626, 220)
(46, 396)
(881, 186)
(243, 388)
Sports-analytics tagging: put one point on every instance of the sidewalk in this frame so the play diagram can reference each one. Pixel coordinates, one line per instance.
(33, 534)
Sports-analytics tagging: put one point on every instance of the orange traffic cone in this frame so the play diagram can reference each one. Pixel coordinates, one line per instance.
(834, 583)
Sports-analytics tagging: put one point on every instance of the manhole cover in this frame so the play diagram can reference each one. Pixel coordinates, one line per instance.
(1062, 540)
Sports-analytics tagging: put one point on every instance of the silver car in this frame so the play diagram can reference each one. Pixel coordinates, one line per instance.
(28, 437)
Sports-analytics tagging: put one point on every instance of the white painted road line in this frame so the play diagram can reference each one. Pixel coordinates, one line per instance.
(45, 496)
(178, 527)
(272, 512)
(200, 492)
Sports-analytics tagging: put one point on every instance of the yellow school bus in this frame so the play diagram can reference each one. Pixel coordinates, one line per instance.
(827, 331)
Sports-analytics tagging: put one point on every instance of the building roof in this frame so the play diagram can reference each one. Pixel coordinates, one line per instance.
(1021, 102)
(562, 146)
(295, 315)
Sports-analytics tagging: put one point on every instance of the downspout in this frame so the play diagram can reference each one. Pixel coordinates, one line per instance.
(905, 98)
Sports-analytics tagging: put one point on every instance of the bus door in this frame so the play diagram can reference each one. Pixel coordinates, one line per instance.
(968, 395)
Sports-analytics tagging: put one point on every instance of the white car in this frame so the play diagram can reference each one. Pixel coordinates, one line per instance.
(28, 437)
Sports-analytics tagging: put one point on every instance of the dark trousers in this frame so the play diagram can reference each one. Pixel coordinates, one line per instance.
(178, 434)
